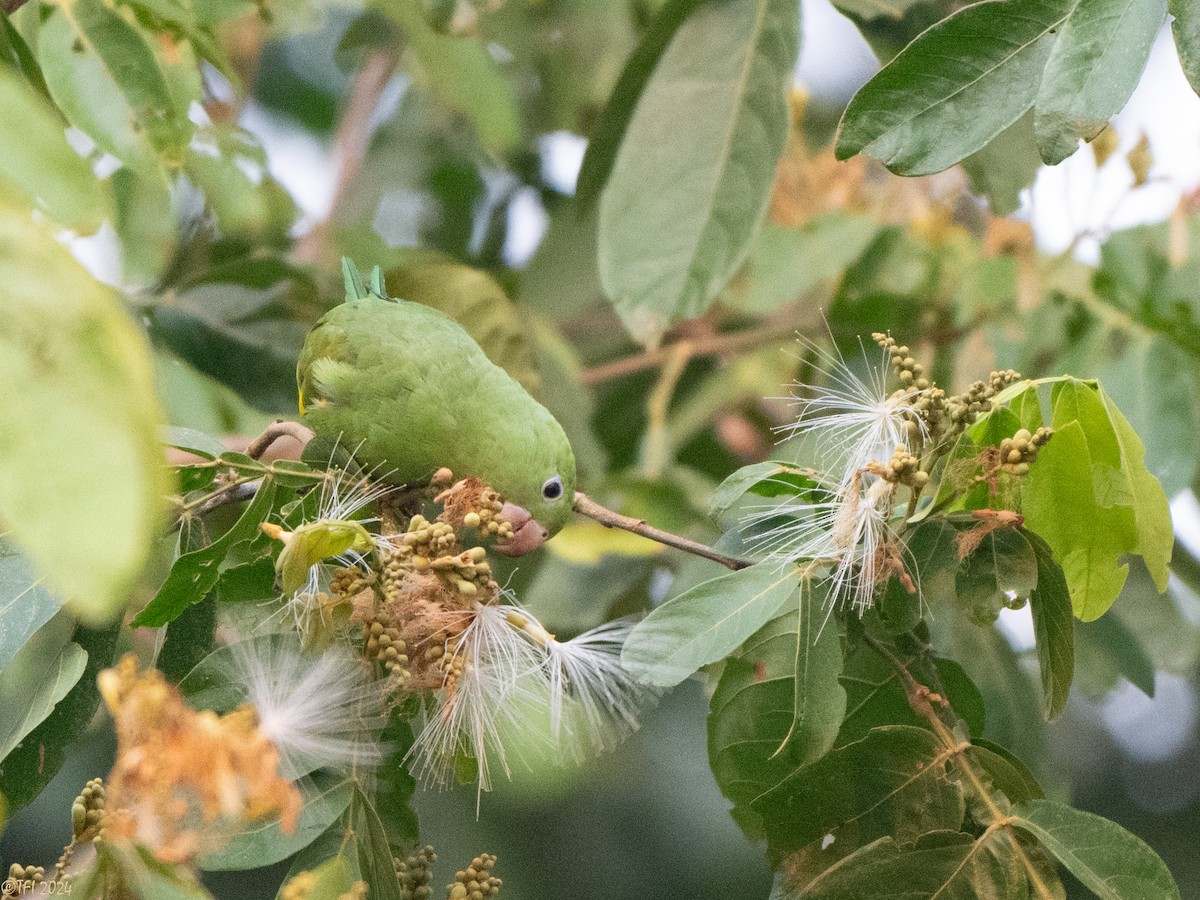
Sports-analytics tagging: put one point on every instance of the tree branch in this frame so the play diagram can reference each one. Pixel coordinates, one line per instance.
(691, 347)
(586, 506)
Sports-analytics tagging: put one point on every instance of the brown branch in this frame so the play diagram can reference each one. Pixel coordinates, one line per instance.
(276, 430)
(586, 506)
(691, 348)
(350, 146)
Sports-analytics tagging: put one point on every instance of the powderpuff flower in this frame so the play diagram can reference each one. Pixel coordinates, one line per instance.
(510, 677)
(318, 709)
(852, 421)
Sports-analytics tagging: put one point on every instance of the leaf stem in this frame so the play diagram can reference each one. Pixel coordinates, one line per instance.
(586, 506)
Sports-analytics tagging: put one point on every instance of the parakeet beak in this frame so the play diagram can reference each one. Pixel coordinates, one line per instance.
(528, 533)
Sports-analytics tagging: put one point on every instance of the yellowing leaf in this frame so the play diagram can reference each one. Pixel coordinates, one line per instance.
(82, 475)
(586, 542)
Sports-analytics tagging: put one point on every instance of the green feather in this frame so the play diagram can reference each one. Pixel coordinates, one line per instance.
(409, 388)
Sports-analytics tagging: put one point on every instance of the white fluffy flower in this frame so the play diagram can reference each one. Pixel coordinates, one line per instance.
(852, 421)
(318, 709)
(519, 685)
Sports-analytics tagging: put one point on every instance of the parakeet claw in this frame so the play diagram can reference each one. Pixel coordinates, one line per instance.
(528, 534)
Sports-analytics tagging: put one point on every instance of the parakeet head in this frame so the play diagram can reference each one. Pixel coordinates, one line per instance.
(541, 491)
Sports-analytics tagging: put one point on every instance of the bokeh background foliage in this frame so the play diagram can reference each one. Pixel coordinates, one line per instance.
(163, 250)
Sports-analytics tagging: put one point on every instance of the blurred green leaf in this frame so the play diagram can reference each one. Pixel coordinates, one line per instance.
(463, 74)
(37, 161)
(34, 680)
(192, 441)
(1096, 63)
(706, 623)
(1053, 629)
(331, 880)
(1110, 861)
(29, 768)
(1154, 383)
(241, 336)
(325, 797)
(787, 262)
(877, 9)
(105, 78)
(130, 870)
(78, 378)
(665, 254)
(778, 704)
(606, 138)
(26, 604)
(892, 782)
(395, 787)
(954, 88)
(1105, 651)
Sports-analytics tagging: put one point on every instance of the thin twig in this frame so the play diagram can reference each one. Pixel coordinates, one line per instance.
(586, 506)
(706, 346)
(276, 430)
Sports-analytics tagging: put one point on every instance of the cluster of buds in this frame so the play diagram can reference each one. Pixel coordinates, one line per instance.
(910, 372)
(468, 572)
(477, 881)
(384, 644)
(447, 662)
(472, 503)
(87, 811)
(433, 546)
(903, 468)
(415, 874)
(348, 582)
(963, 408)
(1018, 451)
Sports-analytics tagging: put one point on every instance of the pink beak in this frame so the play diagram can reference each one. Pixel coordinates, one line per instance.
(528, 533)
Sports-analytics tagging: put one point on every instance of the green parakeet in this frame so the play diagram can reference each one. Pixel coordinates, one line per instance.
(407, 391)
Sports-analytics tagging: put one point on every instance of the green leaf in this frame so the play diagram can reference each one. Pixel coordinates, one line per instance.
(1005, 166)
(39, 676)
(104, 77)
(999, 574)
(1111, 862)
(83, 417)
(325, 797)
(877, 9)
(664, 254)
(37, 161)
(189, 639)
(1096, 63)
(706, 623)
(787, 262)
(25, 602)
(1091, 498)
(1106, 651)
(948, 865)
(1185, 26)
(954, 88)
(606, 137)
(192, 441)
(763, 479)
(241, 335)
(892, 782)
(332, 880)
(461, 71)
(195, 573)
(778, 705)
(1053, 628)
(29, 768)
(374, 851)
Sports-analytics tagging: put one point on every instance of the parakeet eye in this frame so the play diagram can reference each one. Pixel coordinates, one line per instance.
(553, 488)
